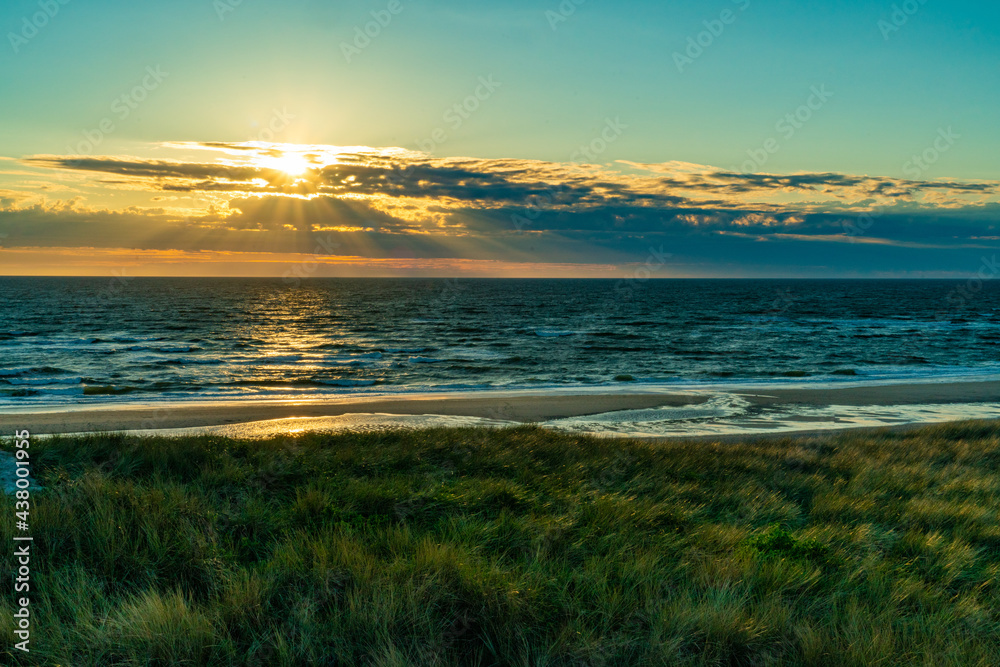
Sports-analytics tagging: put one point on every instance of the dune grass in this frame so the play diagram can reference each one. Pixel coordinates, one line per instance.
(514, 547)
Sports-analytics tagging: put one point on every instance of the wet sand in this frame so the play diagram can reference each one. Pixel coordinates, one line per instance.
(507, 407)
(511, 406)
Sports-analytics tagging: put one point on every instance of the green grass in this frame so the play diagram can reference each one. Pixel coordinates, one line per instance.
(514, 547)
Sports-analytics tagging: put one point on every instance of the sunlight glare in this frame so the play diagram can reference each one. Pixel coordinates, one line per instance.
(292, 164)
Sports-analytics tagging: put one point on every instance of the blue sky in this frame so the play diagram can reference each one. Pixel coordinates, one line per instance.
(781, 88)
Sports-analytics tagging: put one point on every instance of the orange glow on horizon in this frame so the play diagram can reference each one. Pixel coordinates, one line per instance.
(128, 262)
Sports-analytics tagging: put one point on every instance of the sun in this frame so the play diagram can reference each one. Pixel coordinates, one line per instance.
(292, 164)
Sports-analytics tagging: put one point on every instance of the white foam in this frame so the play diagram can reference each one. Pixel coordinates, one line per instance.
(729, 417)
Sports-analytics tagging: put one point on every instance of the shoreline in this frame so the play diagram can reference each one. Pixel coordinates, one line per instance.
(525, 407)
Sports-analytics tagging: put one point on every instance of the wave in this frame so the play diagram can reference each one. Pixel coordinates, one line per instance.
(896, 324)
(19, 334)
(186, 361)
(155, 350)
(48, 393)
(424, 360)
(107, 390)
(280, 359)
(346, 383)
(40, 370)
(69, 343)
(368, 355)
(41, 381)
(328, 346)
(615, 334)
(472, 354)
(467, 368)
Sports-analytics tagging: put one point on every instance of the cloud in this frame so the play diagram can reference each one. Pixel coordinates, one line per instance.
(379, 202)
(254, 168)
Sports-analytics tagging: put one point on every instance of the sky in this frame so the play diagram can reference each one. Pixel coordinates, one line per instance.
(535, 138)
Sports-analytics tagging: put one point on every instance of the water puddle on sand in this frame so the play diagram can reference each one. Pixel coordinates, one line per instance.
(731, 415)
(354, 423)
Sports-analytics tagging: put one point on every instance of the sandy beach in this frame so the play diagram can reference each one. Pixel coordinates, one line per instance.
(514, 407)
(522, 408)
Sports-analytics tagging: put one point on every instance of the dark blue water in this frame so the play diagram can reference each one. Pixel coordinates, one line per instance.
(91, 340)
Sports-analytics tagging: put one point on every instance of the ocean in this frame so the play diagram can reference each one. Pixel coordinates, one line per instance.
(92, 341)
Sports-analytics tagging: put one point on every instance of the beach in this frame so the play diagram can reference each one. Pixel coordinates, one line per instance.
(808, 406)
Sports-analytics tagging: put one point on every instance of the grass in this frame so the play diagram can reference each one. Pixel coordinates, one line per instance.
(514, 547)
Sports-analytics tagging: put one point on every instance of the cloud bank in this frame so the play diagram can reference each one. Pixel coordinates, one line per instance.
(390, 203)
